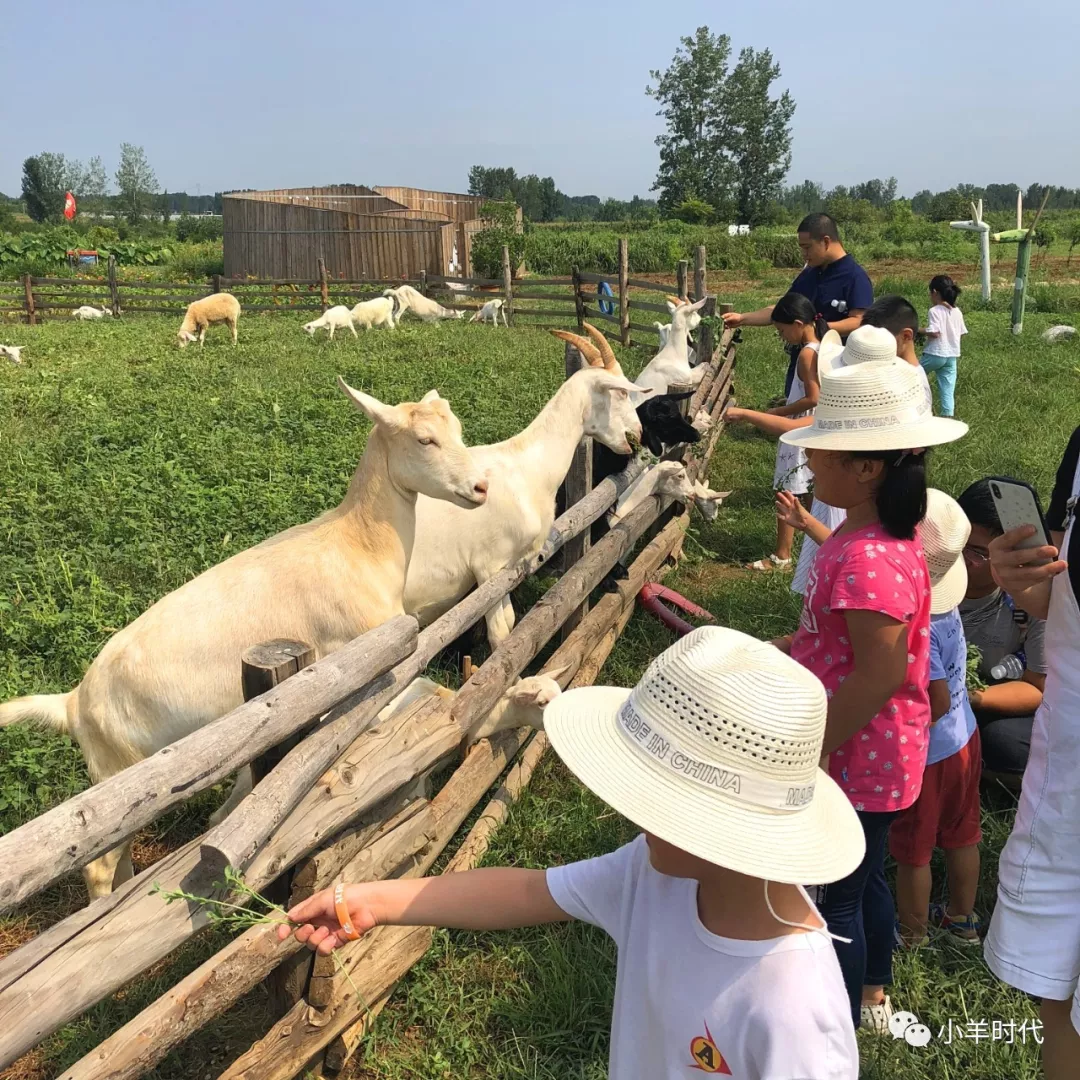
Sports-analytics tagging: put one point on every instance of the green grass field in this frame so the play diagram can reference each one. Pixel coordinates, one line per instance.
(130, 466)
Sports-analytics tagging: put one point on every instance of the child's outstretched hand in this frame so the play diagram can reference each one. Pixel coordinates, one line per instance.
(318, 925)
(791, 511)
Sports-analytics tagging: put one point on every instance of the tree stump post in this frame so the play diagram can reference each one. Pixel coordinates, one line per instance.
(324, 285)
(579, 300)
(680, 278)
(114, 289)
(699, 272)
(262, 667)
(28, 286)
(624, 292)
(508, 284)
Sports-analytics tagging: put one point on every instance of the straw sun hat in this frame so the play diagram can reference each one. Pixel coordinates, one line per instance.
(943, 533)
(716, 751)
(880, 406)
(864, 343)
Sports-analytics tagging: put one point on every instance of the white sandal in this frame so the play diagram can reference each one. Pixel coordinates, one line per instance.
(876, 1018)
(772, 563)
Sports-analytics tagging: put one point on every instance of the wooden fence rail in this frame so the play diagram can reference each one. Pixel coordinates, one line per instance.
(349, 799)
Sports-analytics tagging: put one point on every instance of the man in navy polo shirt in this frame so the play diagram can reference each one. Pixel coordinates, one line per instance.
(837, 286)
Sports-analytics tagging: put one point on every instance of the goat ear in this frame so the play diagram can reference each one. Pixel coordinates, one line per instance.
(378, 413)
(699, 305)
(621, 382)
(431, 395)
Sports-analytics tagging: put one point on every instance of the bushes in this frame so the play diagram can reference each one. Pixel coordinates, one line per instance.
(198, 229)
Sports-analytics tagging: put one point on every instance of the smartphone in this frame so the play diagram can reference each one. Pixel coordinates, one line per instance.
(1017, 504)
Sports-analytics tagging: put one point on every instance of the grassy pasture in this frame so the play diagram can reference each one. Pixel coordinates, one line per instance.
(129, 466)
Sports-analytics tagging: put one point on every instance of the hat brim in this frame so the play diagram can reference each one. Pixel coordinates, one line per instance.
(949, 589)
(820, 843)
(933, 431)
(829, 352)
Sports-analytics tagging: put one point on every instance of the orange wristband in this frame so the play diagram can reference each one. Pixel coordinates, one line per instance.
(342, 912)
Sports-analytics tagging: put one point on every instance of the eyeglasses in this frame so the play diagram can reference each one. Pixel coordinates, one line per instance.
(975, 556)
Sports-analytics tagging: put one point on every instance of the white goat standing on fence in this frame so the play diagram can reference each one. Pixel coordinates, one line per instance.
(380, 311)
(177, 666)
(334, 318)
(88, 312)
(490, 313)
(454, 552)
(420, 305)
(663, 332)
(671, 365)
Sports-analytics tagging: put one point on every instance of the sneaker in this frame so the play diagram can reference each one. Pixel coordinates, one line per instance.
(967, 930)
(876, 1018)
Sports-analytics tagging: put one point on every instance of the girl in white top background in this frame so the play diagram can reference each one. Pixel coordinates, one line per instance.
(945, 328)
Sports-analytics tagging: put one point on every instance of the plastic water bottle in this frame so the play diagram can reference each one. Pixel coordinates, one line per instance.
(1011, 667)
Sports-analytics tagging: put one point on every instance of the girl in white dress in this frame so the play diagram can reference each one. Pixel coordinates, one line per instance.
(798, 325)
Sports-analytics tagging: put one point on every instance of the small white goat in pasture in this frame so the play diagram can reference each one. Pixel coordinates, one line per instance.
(376, 312)
(12, 352)
(88, 312)
(176, 667)
(454, 552)
(216, 308)
(422, 306)
(671, 365)
(335, 318)
(490, 313)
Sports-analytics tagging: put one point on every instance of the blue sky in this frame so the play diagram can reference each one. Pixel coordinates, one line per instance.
(278, 94)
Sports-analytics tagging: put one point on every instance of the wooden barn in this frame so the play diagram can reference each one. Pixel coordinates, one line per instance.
(381, 233)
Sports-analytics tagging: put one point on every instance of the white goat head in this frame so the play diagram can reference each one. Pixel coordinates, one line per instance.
(424, 451)
(311, 327)
(673, 482)
(685, 314)
(611, 416)
(529, 697)
(708, 501)
(12, 352)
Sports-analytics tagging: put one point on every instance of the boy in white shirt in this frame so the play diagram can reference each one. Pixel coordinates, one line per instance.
(724, 963)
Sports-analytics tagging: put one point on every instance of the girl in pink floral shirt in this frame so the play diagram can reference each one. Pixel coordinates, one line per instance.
(865, 632)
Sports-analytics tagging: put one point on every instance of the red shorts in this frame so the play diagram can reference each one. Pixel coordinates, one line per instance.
(946, 813)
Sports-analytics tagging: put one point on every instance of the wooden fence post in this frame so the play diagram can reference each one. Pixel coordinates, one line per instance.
(262, 667)
(706, 345)
(28, 286)
(624, 292)
(508, 284)
(578, 484)
(324, 287)
(680, 278)
(423, 283)
(216, 283)
(699, 272)
(579, 300)
(114, 291)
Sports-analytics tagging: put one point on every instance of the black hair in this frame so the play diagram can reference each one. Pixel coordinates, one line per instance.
(893, 313)
(978, 504)
(794, 307)
(901, 495)
(818, 226)
(945, 287)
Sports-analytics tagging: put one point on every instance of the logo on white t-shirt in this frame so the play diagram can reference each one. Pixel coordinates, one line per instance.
(706, 1055)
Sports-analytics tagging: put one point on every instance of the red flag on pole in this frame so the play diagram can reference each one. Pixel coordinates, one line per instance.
(69, 206)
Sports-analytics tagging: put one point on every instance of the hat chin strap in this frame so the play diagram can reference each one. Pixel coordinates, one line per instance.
(798, 925)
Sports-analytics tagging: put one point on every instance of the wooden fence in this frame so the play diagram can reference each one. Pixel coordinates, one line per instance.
(342, 795)
(633, 306)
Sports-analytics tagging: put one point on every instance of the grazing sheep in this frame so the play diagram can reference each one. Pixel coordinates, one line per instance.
(176, 667)
(335, 318)
(12, 352)
(422, 306)
(88, 312)
(216, 308)
(377, 312)
(490, 313)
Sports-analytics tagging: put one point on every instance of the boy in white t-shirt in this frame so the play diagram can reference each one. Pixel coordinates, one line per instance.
(724, 965)
(945, 327)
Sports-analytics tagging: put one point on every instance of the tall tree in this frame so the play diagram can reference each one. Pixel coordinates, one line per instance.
(492, 183)
(759, 132)
(728, 142)
(135, 181)
(44, 181)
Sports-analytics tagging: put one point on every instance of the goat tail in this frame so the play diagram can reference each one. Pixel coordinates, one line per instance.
(49, 710)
